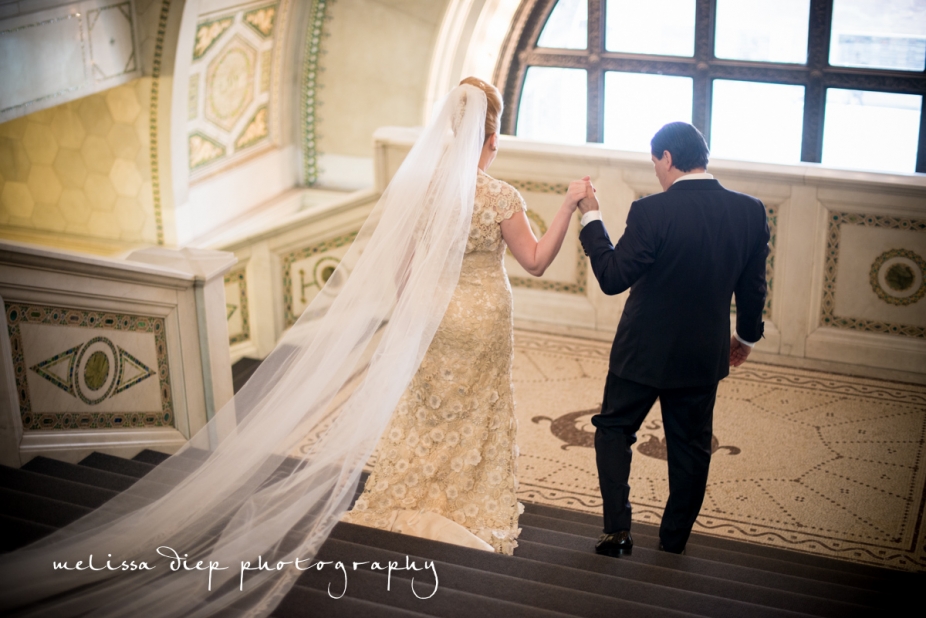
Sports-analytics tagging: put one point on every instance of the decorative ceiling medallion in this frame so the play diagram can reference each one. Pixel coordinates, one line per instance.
(897, 277)
(208, 33)
(93, 371)
(262, 19)
(256, 130)
(230, 83)
(204, 150)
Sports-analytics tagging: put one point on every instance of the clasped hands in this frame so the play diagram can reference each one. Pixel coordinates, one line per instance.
(581, 195)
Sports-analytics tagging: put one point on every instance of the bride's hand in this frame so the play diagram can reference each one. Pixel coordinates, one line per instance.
(577, 190)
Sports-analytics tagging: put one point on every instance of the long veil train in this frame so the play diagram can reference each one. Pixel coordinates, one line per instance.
(232, 494)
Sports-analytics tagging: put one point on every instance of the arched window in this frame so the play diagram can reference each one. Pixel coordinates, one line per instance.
(834, 81)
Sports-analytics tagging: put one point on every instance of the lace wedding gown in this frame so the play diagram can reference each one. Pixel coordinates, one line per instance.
(450, 448)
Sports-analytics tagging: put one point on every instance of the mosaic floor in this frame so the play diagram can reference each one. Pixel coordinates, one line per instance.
(803, 460)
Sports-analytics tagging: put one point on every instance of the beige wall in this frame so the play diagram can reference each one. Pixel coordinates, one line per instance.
(375, 66)
(80, 169)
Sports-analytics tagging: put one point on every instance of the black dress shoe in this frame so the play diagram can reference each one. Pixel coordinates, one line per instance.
(668, 551)
(618, 543)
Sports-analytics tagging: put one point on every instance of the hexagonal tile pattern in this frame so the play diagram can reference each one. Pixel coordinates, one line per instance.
(68, 128)
(123, 141)
(100, 192)
(97, 155)
(131, 217)
(81, 168)
(71, 169)
(123, 104)
(41, 145)
(104, 224)
(16, 199)
(43, 184)
(94, 114)
(14, 162)
(74, 206)
(125, 178)
(48, 217)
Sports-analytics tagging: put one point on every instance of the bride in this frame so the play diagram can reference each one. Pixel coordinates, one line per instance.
(424, 305)
(448, 460)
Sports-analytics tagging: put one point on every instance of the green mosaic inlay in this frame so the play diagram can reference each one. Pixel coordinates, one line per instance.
(290, 258)
(238, 276)
(313, 40)
(828, 315)
(96, 374)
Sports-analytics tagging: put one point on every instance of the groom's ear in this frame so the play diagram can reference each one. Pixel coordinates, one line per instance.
(667, 159)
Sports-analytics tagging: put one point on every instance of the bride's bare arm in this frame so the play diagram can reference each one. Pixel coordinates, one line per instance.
(536, 255)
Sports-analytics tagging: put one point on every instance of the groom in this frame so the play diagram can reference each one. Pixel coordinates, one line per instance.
(684, 253)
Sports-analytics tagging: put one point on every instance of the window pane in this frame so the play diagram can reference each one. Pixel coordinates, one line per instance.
(890, 34)
(637, 105)
(753, 121)
(553, 105)
(762, 31)
(871, 130)
(567, 26)
(661, 27)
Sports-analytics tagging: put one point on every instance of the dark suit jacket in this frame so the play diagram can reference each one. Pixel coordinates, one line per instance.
(684, 254)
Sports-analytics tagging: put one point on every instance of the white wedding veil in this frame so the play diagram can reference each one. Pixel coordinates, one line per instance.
(235, 492)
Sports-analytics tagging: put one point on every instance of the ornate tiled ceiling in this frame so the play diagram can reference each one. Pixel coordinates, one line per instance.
(232, 109)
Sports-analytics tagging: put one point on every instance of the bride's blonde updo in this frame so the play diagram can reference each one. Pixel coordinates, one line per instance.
(494, 104)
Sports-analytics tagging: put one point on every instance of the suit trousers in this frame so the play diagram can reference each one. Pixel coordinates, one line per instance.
(687, 415)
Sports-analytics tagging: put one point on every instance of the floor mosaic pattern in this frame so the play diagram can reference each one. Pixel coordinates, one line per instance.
(803, 460)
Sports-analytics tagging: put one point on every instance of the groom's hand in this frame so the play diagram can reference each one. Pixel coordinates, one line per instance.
(738, 352)
(589, 202)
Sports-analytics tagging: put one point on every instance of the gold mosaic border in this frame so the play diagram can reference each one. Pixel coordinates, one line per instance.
(828, 315)
(290, 258)
(310, 70)
(17, 314)
(238, 276)
(153, 120)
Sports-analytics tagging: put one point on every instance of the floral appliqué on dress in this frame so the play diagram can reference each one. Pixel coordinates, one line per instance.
(450, 447)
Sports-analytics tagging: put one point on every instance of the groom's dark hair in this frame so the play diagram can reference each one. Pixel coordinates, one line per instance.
(687, 145)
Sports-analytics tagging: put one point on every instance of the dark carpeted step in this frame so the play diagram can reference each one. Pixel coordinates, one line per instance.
(374, 586)
(708, 540)
(298, 602)
(710, 568)
(39, 509)
(584, 571)
(149, 456)
(80, 474)
(117, 465)
(552, 589)
(16, 532)
(812, 577)
(53, 487)
(631, 567)
(243, 370)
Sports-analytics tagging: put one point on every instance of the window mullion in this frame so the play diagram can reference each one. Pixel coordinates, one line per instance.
(818, 45)
(595, 100)
(921, 145)
(705, 11)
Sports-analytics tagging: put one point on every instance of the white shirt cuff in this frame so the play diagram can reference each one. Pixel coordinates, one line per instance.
(591, 215)
(743, 341)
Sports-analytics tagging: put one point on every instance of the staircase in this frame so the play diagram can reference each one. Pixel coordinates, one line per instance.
(554, 572)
